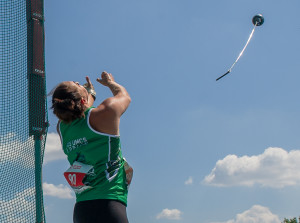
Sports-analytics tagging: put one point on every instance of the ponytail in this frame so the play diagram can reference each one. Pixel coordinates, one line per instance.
(66, 103)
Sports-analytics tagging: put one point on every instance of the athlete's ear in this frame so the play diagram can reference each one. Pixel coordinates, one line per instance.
(82, 101)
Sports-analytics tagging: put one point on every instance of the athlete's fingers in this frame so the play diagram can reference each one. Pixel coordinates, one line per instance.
(101, 81)
(89, 81)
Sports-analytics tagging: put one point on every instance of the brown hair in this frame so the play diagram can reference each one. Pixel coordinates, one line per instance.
(66, 103)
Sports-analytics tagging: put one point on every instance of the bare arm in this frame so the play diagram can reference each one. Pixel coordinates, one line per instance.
(121, 99)
(106, 117)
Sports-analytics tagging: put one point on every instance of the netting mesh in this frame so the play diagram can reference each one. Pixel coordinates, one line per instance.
(23, 118)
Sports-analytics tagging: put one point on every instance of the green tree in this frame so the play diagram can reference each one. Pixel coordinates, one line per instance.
(292, 220)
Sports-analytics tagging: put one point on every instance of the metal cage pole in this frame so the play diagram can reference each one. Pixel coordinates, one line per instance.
(37, 94)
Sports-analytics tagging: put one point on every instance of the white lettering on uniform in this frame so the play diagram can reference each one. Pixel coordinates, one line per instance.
(76, 143)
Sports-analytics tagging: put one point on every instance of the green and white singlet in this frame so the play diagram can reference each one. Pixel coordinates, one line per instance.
(97, 165)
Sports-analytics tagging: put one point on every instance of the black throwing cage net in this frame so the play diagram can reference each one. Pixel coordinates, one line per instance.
(23, 111)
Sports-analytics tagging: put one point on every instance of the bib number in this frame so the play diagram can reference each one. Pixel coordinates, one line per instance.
(76, 174)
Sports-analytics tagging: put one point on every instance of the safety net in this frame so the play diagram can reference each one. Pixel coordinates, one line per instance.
(23, 113)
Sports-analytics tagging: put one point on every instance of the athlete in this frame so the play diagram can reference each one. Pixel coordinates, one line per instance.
(99, 174)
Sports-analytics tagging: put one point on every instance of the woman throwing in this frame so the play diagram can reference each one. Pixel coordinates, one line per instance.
(90, 138)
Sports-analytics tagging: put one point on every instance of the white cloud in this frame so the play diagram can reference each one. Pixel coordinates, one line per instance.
(60, 191)
(274, 168)
(189, 181)
(19, 208)
(256, 214)
(15, 150)
(173, 214)
(53, 149)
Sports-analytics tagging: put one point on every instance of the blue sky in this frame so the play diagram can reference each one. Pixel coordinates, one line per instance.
(202, 151)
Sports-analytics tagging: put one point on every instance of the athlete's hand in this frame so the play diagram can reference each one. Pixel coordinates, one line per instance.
(89, 84)
(106, 79)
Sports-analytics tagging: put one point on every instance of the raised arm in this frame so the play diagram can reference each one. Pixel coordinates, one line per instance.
(106, 117)
(121, 99)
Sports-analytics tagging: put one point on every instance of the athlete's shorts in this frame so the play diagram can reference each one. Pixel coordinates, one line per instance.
(100, 211)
